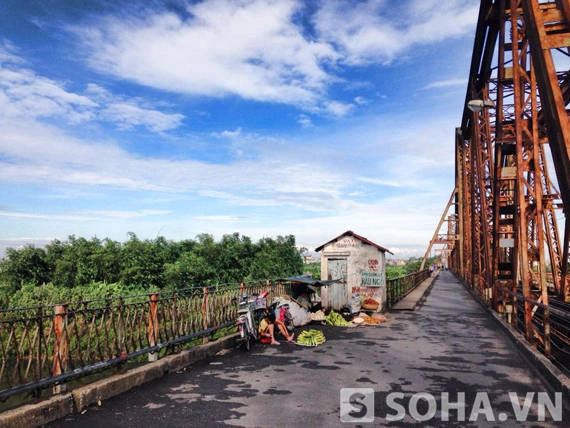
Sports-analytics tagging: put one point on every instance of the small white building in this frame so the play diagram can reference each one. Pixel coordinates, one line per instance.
(359, 265)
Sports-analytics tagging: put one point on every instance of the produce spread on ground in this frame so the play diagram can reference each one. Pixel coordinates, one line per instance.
(314, 337)
(336, 319)
(311, 337)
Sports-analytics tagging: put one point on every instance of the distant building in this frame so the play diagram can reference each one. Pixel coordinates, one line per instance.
(395, 262)
(308, 258)
(359, 265)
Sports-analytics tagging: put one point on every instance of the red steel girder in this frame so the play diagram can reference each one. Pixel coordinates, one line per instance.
(507, 207)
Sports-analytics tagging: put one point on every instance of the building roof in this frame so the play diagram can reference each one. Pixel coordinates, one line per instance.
(361, 238)
(309, 281)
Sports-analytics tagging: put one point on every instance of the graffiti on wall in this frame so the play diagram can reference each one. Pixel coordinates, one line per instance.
(347, 242)
(372, 279)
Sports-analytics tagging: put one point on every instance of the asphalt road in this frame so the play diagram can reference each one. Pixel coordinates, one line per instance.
(406, 366)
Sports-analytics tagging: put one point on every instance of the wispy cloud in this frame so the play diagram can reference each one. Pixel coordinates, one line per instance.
(91, 215)
(257, 49)
(229, 134)
(305, 121)
(447, 83)
(360, 100)
(126, 214)
(248, 48)
(25, 94)
(270, 116)
(375, 31)
(222, 218)
(53, 157)
(27, 215)
(379, 181)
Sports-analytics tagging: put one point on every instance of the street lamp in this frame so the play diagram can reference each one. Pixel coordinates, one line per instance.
(478, 105)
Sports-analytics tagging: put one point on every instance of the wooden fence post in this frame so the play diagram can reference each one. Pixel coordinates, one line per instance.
(153, 327)
(60, 345)
(205, 315)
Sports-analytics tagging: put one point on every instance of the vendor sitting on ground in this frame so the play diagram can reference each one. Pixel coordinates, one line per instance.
(267, 329)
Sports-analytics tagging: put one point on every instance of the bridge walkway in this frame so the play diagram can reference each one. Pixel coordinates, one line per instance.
(450, 345)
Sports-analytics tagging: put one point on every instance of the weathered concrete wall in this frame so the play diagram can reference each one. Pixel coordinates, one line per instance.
(365, 272)
(368, 276)
(33, 415)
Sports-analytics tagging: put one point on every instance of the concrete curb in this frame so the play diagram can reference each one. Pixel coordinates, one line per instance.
(425, 294)
(551, 374)
(404, 305)
(59, 406)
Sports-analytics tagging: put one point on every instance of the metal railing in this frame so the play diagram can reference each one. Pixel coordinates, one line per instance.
(50, 345)
(398, 288)
(550, 325)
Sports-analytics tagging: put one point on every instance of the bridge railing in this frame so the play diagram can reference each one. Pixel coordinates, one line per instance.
(398, 288)
(550, 325)
(51, 345)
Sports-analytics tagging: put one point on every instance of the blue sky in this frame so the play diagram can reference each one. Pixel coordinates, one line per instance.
(261, 117)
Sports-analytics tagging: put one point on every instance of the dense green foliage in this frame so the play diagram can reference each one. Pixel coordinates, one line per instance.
(314, 269)
(411, 266)
(87, 269)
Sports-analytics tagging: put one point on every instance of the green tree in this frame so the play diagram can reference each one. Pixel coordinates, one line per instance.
(191, 269)
(142, 262)
(27, 265)
(395, 271)
(234, 256)
(276, 258)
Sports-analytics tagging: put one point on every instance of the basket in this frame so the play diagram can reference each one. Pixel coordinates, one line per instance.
(370, 306)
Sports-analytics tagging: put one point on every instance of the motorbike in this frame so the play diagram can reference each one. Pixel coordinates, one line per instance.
(252, 310)
(250, 313)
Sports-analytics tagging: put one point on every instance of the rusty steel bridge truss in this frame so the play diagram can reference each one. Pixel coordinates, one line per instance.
(512, 193)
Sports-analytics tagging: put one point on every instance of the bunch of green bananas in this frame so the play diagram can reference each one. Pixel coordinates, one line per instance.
(336, 319)
(311, 338)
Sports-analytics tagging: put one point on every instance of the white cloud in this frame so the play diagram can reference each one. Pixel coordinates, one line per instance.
(24, 94)
(259, 50)
(115, 214)
(221, 218)
(127, 116)
(337, 108)
(305, 121)
(446, 83)
(231, 134)
(380, 182)
(36, 216)
(374, 31)
(249, 48)
(39, 154)
(316, 186)
(360, 100)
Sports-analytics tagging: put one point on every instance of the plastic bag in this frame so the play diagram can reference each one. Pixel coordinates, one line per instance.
(355, 305)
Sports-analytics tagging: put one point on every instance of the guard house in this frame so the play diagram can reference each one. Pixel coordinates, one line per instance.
(359, 265)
